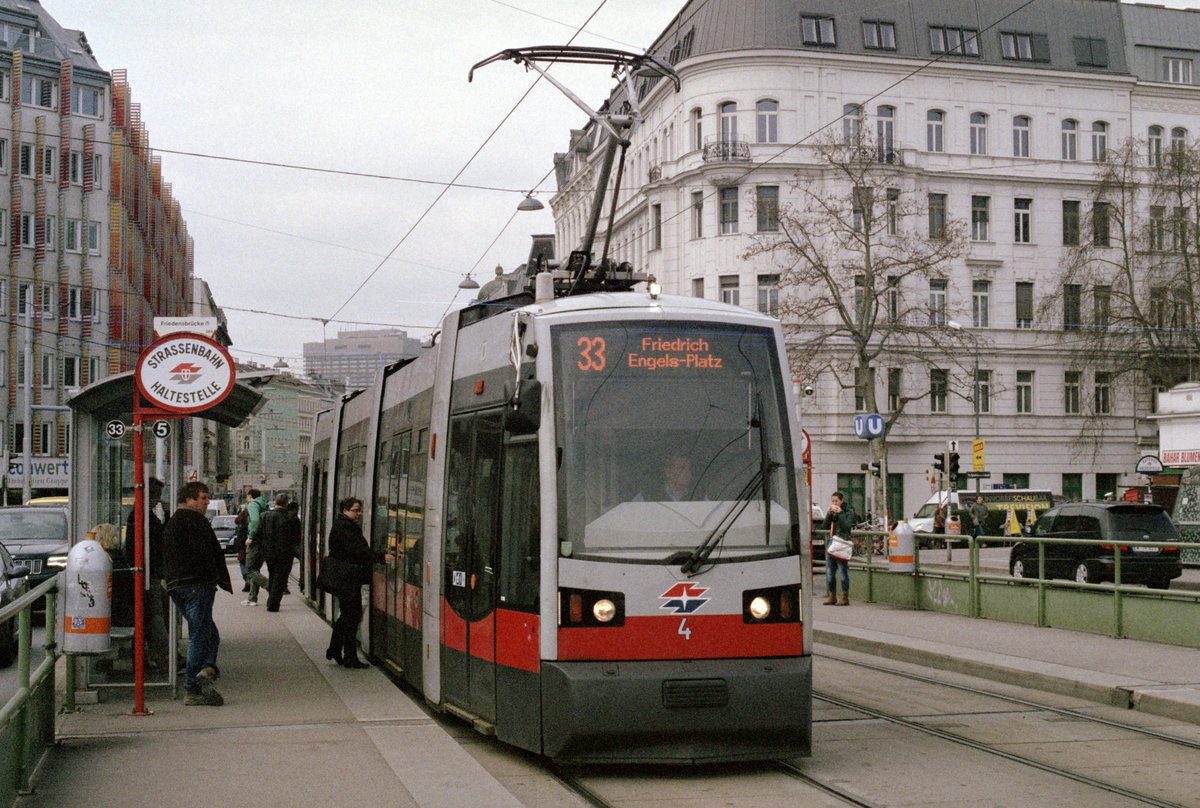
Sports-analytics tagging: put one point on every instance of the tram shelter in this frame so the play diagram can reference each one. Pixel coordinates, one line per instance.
(102, 475)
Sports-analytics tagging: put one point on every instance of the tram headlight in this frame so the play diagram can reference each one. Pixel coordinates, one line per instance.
(760, 607)
(604, 610)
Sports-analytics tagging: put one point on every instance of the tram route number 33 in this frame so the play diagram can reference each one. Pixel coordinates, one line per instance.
(655, 354)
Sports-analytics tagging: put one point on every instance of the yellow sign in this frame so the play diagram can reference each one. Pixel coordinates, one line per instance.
(977, 455)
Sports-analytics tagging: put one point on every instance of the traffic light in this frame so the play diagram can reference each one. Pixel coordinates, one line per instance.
(875, 469)
(939, 462)
(952, 464)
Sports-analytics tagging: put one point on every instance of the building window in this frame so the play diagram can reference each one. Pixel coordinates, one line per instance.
(939, 387)
(75, 168)
(25, 160)
(44, 443)
(878, 35)
(3, 228)
(937, 215)
(27, 230)
(1100, 234)
(92, 239)
(894, 379)
(1177, 70)
(729, 210)
(1070, 139)
(1099, 142)
(817, 31)
(767, 121)
(48, 370)
(893, 299)
(851, 124)
(980, 214)
(74, 312)
(1154, 146)
(1178, 139)
(885, 134)
(70, 371)
(1101, 300)
(861, 204)
(1157, 227)
(47, 161)
(1090, 52)
(953, 40)
(697, 214)
(978, 133)
(728, 116)
(656, 227)
(768, 294)
(1024, 47)
(1179, 229)
(937, 301)
(1070, 222)
(1024, 392)
(981, 295)
(1103, 393)
(984, 404)
(1022, 221)
(729, 290)
(1071, 389)
(1021, 125)
(39, 92)
(73, 236)
(861, 377)
(860, 298)
(696, 129)
(935, 121)
(1072, 307)
(767, 207)
(97, 172)
(93, 369)
(1072, 486)
(893, 211)
(1024, 304)
(698, 287)
(87, 101)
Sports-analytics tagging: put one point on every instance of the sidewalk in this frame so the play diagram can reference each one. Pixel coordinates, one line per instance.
(1152, 677)
(295, 730)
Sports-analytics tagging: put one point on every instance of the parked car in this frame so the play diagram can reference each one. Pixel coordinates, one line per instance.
(1112, 523)
(14, 582)
(226, 528)
(37, 538)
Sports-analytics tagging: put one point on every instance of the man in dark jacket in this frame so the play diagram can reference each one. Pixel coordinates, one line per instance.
(156, 611)
(195, 567)
(279, 531)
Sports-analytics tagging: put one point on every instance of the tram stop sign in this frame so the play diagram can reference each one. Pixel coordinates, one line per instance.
(185, 373)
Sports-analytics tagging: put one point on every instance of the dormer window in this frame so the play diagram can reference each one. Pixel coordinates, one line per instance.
(1023, 47)
(879, 35)
(817, 31)
(953, 40)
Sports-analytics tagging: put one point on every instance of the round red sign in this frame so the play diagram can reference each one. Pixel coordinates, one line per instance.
(185, 373)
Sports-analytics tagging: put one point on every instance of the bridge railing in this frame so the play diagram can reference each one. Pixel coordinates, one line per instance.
(1118, 609)
(27, 718)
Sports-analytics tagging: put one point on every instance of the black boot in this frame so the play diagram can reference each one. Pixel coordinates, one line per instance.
(350, 656)
(334, 653)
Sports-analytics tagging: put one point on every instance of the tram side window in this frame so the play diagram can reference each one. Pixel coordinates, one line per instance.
(520, 552)
(414, 520)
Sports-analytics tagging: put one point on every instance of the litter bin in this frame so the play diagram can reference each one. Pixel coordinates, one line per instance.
(900, 548)
(88, 585)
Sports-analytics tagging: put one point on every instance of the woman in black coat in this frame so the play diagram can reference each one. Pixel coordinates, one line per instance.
(347, 543)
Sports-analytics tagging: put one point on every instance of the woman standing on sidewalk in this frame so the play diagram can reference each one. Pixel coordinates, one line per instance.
(347, 543)
(839, 521)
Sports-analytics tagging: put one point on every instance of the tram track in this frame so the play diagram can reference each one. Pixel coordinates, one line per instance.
(796, 773)
(991, 749)
(1033, 705)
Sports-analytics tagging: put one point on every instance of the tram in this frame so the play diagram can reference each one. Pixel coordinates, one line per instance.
(600, 534)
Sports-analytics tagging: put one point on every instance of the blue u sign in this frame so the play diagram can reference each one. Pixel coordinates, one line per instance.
(868, 426)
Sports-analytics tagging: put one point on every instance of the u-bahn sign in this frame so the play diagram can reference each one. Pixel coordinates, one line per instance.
(185, 373)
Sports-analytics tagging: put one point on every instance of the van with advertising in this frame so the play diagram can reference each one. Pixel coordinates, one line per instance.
(998, 501)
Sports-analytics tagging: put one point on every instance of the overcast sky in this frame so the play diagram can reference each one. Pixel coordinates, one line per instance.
(374, 88)
(370, 87)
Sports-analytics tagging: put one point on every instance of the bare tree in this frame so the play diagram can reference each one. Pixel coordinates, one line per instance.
(856, 250)
(1138, 258)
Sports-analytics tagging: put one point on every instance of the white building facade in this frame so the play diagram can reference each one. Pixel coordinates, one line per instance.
(1003, 132)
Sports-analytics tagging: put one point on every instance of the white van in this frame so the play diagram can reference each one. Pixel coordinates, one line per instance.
(997, 501)
(216, 507)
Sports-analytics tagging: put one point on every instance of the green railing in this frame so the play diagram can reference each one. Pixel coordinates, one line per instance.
(27, 718)
(1138, 612)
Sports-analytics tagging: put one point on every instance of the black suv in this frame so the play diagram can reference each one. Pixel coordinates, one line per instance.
(37, 539)
(1111, 523)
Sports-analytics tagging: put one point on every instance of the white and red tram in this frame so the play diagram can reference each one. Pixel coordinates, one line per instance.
(593, 506)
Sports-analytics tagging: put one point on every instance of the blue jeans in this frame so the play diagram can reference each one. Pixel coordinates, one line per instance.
(196, 604)
(832, 567)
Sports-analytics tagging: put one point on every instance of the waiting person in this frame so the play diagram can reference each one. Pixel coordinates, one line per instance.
(978, 513)
(156, 611)
(121, 606)
(195, 567)
(256, 506)
(347, 543)
(939, 521)
(839, 521)
(279, 533)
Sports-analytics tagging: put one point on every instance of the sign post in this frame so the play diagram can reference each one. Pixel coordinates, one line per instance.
(179, 375)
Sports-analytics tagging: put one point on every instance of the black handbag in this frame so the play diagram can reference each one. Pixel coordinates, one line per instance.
(338, 577)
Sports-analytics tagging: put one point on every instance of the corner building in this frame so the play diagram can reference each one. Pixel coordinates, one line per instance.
(96, 246)
(1003, 133)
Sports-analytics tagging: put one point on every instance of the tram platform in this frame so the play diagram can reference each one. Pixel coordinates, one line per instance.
(298, 730)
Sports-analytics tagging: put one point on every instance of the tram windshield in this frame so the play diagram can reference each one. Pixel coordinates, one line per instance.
(671, 435)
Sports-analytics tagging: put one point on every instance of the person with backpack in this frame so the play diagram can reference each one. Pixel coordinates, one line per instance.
(241, 528)
(839, 521)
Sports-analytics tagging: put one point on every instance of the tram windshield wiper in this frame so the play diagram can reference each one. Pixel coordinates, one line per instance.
(692, 561)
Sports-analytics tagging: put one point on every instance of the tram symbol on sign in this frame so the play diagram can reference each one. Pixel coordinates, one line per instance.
(161, 429)
(684, 598)
(185, 373)
(114, 429)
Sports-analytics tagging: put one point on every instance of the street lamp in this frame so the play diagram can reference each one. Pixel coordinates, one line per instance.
(957, 326)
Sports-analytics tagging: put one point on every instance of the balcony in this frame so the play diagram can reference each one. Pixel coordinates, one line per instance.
(727, 151)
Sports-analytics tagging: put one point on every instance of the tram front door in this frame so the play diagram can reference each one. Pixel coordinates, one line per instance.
(470, 540)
